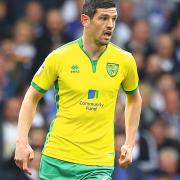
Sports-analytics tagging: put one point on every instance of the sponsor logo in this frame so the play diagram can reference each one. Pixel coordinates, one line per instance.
(93, 94)
(112, 69)
(92, 106)
(75, 68)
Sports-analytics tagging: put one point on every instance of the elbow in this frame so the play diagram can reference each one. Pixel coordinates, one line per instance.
(140, 99)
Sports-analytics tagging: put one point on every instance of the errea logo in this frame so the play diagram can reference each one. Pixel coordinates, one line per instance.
(75, 68)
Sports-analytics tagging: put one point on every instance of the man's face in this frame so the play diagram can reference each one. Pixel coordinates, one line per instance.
(102, 25)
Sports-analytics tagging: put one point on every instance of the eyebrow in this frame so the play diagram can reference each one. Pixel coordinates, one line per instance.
(107, 15)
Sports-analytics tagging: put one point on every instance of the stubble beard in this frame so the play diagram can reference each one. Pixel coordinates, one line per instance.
(102, 43)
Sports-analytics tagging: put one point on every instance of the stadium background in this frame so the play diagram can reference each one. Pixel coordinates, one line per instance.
(29, 30)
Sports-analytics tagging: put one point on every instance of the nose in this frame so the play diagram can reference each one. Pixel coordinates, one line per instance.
(110, 24)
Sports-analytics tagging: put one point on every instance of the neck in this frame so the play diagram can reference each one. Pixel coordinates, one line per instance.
(93, 49)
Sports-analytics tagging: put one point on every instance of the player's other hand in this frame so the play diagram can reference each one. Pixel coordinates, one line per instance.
(125, 156)
(23, 155)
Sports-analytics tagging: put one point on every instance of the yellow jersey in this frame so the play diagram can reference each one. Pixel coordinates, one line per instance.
(86, 92)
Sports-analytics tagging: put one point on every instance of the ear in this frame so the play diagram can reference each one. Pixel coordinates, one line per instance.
(85, 20)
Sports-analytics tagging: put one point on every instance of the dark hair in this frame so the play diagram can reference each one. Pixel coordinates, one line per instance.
(90, 6)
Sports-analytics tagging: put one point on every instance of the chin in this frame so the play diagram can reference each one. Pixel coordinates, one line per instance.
(104, 42)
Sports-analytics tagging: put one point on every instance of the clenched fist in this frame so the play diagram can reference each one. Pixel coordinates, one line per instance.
(23, 155)
(125, 156)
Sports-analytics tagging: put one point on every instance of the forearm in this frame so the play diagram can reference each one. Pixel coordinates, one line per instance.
(26, 115)
(132, 116)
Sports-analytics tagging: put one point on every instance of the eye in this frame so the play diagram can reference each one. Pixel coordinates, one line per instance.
(104, 18)
(114, 19)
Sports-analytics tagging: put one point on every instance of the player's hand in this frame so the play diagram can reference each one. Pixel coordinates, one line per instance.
(125, 156)
(23, 155)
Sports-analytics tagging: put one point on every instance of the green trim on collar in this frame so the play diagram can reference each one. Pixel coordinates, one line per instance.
(93, 62)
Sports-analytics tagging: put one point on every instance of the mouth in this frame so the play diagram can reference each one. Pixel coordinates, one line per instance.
(107, 34)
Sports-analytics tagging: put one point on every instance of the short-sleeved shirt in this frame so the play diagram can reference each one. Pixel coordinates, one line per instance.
(86, 92)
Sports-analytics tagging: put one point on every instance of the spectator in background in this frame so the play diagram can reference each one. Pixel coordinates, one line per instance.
(161, 85)
(23, 35)
(171, 113)
(19, 52)
(168, 166)
(34, 15)
(159, 130)
(148, 113)
(13, 77)
(169, 162)
(23, 51)
(153, 69)
(7, 85)
(11, 110)
(140, 41)
(53, 37)
(166, 82)
(165, 50)
(122, 33)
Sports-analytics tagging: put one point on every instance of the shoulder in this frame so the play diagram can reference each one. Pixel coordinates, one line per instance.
(121, 55)
(66, 47)
(59, 55)
(120, 52)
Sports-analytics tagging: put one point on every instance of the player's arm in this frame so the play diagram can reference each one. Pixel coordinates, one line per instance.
(132, 116)
(23, 152)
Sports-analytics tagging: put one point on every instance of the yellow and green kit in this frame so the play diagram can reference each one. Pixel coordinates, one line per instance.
(86, 92)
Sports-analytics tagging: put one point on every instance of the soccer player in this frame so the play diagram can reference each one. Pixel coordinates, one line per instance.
(87, 74)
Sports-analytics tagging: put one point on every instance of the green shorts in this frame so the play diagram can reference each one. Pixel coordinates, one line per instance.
(54, 169)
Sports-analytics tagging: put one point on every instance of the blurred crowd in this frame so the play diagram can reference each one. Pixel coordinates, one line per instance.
(150, 30)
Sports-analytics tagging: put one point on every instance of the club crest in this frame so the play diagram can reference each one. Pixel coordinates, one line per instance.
(112, 69)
